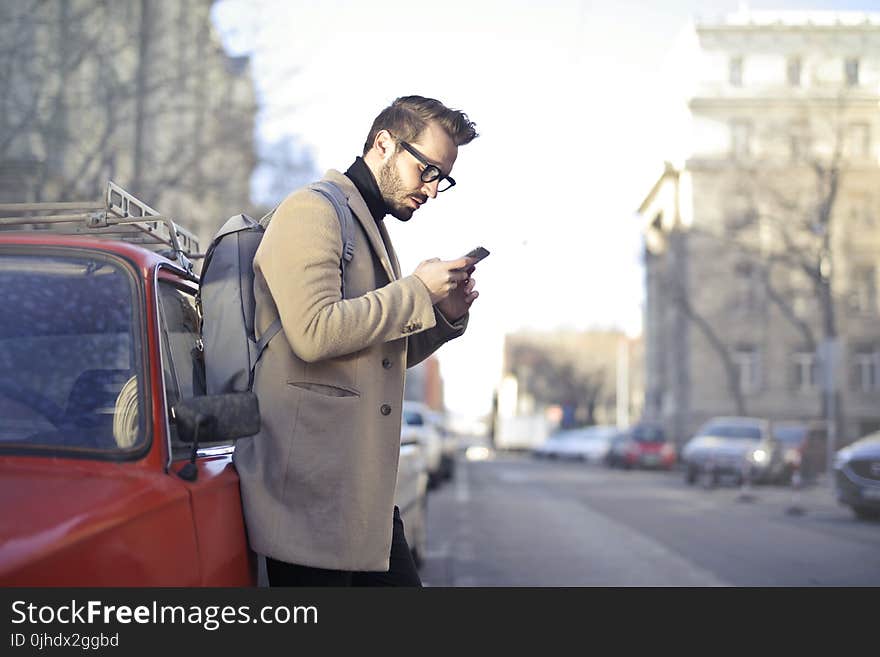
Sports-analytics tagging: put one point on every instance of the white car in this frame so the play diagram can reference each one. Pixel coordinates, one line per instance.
(411, 495)
(416, 426)
(585, 444)
(591, 444)
(555, 445)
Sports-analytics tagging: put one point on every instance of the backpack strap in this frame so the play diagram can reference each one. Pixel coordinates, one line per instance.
(346, 220)
(262, 343)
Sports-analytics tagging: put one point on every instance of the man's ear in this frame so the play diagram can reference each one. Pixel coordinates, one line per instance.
(384, 145)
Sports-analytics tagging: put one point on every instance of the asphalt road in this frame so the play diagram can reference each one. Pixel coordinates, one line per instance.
(512, 520)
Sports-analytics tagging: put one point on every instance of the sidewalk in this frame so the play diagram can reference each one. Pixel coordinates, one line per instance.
(816, 497)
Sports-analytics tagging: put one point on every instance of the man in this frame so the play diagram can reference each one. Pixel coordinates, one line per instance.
(318, 481)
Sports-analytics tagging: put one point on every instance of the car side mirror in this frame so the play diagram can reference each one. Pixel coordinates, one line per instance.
(214, 418)
(217, 417)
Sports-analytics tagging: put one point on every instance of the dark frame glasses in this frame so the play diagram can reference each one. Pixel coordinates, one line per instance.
(431, 172)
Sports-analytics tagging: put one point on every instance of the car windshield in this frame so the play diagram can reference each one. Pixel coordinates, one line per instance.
(790, 434)
(68, 354)
(647, 434)
(745, 431)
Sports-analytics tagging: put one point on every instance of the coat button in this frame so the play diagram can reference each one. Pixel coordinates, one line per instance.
(386, 363)
(385, 410)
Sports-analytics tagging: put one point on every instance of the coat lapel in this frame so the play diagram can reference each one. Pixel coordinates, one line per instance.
(359, 207)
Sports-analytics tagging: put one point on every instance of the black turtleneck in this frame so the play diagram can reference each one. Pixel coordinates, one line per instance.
(359, 173)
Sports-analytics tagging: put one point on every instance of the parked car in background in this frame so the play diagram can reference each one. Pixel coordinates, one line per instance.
(411, 494)
(101, 480)
(582, 444)
(591, 444)
(643, 445)
(555, 446)
(857, 476)
(416, 425)
(804, 449)
(448, 443)
(734, 446)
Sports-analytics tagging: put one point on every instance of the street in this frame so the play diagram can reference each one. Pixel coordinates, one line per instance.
(512, 520)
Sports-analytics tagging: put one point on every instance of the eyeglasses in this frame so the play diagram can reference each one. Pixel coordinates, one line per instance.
(431, 172)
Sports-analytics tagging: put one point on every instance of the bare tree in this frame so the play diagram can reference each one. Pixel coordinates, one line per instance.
(786, 229)
(677, 288)
(134, 90)
(551, 378)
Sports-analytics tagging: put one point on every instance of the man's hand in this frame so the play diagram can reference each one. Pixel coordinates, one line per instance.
(444, 277)
(459, 300)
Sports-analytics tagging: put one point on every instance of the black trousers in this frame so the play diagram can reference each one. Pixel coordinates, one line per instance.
(402, 569)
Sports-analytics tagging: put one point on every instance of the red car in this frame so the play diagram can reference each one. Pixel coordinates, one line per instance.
(641, 446)
(100, 480)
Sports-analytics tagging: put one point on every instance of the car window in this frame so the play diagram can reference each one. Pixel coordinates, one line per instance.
(182, 362)
(744, 431)
(69, 354)
(413, 419)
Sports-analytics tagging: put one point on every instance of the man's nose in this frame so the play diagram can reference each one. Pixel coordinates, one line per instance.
(430, 189)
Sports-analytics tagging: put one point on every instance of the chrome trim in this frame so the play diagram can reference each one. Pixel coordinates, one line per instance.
(218, 450)
(857, 479)
(158, 327)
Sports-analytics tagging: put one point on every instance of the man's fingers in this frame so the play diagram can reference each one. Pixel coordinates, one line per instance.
(461, 263)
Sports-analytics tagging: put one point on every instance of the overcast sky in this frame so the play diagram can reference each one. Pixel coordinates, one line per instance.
(567, 98)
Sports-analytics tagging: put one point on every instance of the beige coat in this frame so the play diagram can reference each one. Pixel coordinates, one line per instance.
(318, 481)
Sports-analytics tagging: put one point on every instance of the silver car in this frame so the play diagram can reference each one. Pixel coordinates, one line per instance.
(735, 446)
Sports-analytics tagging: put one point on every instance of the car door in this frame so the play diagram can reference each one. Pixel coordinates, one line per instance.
(224, 557)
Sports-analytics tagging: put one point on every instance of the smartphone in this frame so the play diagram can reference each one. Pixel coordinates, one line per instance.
(479, 253)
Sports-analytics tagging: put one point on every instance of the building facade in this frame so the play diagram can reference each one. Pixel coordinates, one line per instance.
(762, 244)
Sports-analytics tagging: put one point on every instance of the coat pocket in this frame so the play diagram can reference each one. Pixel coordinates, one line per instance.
(325, 389)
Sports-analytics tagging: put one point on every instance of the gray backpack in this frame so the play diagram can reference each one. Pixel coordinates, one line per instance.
(226, 295)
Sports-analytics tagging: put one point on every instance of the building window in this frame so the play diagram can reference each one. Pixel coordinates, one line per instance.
(861, 214)
(867, 369)
(798, 140)
(863, 298)
(740, 138)
(806, 371)
(793, 71)
(749, 285)
(747, 361)
(736, 71)
(851, 70)
(858, 140)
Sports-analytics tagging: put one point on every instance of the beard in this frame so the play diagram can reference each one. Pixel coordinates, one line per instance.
(394, 193)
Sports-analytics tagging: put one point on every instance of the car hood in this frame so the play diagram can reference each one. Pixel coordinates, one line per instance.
(50, 504)
(866, 448)
(716, 445)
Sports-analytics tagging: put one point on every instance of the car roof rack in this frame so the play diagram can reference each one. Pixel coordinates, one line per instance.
(118, 216)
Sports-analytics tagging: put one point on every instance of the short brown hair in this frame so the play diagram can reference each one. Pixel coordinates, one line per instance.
(408, 116)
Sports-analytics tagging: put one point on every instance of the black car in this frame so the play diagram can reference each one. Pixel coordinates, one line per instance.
(857, 476)
(804, 449)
